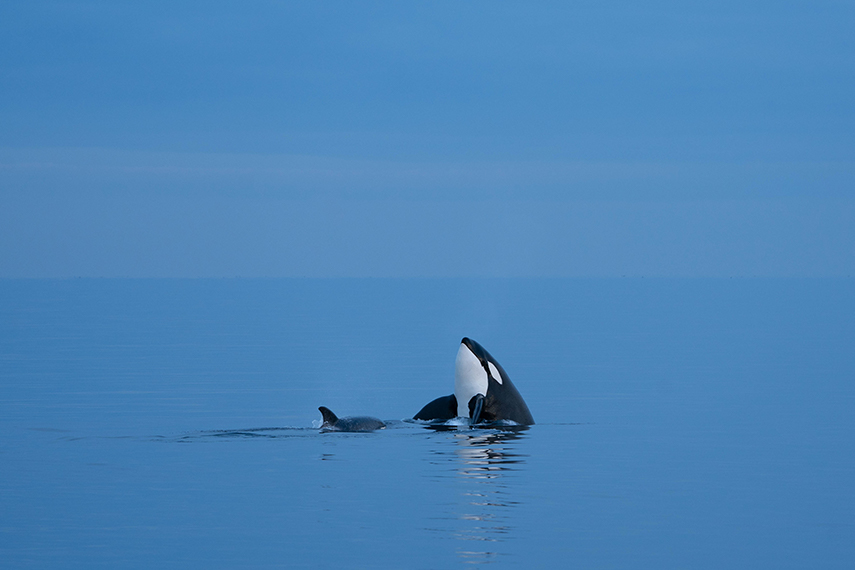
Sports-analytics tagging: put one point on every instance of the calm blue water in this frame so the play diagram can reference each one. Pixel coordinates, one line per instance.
(681, 423)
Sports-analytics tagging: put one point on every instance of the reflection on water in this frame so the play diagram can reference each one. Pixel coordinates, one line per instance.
(484, 460)
(249, 433)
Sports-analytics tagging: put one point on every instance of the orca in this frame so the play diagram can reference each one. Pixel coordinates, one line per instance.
(354, 423)
(483, 392)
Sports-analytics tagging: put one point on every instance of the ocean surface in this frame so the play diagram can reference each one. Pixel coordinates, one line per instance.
(681, 423)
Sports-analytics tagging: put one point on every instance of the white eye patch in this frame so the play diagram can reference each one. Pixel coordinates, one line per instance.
(494, 372)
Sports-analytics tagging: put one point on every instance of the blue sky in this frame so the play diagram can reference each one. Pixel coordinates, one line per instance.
(398, 139)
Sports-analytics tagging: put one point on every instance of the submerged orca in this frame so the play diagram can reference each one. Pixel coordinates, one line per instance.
(354, 423)
(482, 391)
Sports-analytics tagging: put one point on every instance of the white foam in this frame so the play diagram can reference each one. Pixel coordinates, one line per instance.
(457, 422)
(506, 423)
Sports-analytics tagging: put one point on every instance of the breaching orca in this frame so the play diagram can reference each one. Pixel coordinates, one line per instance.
(482, 391)
(354, 423)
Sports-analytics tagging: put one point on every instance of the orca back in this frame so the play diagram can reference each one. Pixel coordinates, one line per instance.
(443, 408)
(352, 423)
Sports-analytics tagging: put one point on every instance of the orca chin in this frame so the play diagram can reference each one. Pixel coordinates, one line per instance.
(352, 423)
(483, 391)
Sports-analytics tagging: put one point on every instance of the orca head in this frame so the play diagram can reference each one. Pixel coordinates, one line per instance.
(473, 370)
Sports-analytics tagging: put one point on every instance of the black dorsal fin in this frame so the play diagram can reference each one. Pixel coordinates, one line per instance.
(329, 417)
